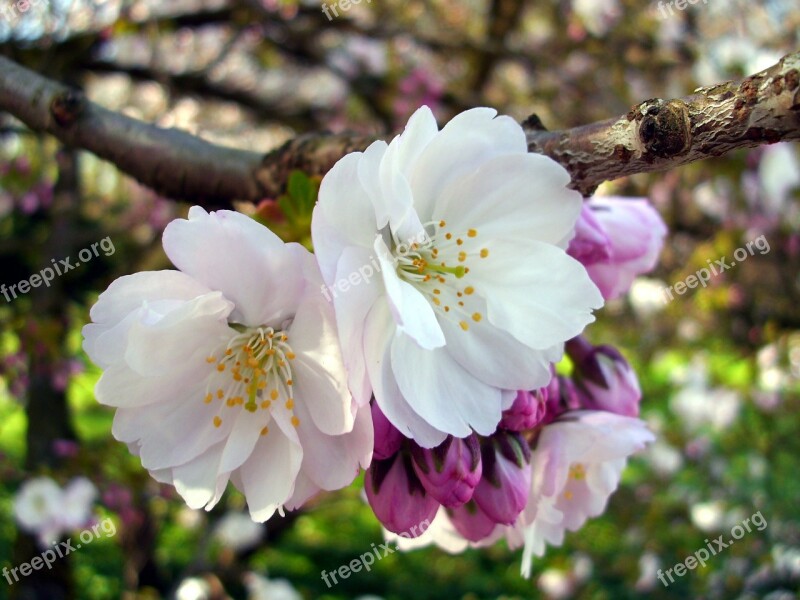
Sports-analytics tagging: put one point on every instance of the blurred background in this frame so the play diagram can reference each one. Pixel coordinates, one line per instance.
(719, 366)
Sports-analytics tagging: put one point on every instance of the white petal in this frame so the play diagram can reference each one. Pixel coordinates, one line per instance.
(333, 462)
(304, 490)
(234, 254)
(268, 475)
(344, 215)
(467, 141)
(182, 335)
(242, 438)
(413, 313)
(127, 293)
(116, 309)
(352, 307)
(172, 432)
(377, 337)
(196, 481)
(121, 386)
(442, 392)
(494, 356)
(523, 195)
(321, 379)
(535, 291)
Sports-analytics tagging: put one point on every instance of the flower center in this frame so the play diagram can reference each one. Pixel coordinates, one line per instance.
(253, 370)
(436, 266)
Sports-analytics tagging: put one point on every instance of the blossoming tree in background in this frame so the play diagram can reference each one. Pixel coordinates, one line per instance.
(421, 312)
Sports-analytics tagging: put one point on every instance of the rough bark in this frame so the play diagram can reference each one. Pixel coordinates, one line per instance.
(655, 135)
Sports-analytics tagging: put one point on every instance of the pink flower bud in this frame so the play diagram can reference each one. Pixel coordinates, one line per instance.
(450, 471)
(526, 412)
(605, 379)
(503, 490)
(590, 244)
(387, 438)
(397, 497)
(635, 234)
(471, 522)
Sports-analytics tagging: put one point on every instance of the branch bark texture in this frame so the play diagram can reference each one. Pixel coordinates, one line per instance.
(655, 135)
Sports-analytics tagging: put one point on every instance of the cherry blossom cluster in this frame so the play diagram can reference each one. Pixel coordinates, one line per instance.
(436, 375)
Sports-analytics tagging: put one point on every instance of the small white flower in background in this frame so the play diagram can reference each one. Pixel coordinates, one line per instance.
(43, 508)
(229, 369)
(193, 588)
(259, 587)
(708, 516)
(473, 293)
(238, 531)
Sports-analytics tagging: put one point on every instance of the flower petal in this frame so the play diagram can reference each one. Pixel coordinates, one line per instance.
(377, 337)
(523, 195)
(232, 253)
(196, 481)
(413, 313)
(268, 475)
(467, 141)
(440, 391)
(535, 291)
(335, 225)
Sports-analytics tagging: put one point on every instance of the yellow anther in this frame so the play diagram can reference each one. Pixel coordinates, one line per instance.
(448, 236)
(437, 291)
(289, 382)
(274, 394)
(220, 394)
(291, 355)
(237, 376)
(217, 421)
(459, 241)
(462, 256)
(211, 359)
(295, 421)
(472, 232)
(442, 223)
(436, 301)
(266, 404)
(261, 384)
(220, 367)
(484, 252)
(228, 352)
(469, 290)
(252, 362)
(464, 325)
(476, 317)
(208, 398)
(264, 430)
(290, 404)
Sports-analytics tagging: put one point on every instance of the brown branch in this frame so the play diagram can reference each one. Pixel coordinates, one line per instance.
(655, 135)
(170, 161)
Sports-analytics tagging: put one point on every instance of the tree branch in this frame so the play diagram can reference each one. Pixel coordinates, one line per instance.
(655, 135)
(170, 161)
